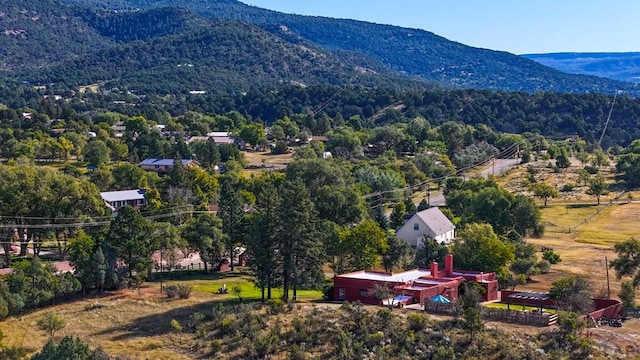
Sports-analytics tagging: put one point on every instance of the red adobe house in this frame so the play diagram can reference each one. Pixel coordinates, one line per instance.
(419, 284)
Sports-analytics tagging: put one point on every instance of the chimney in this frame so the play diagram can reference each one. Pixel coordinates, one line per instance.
(448, 264)
(434, 270)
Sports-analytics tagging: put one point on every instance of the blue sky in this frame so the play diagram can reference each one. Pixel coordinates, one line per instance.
(516, 26)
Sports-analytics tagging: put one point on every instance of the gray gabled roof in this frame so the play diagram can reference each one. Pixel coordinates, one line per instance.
(435, 220)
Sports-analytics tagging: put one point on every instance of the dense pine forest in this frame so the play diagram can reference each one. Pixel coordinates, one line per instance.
(318, 109)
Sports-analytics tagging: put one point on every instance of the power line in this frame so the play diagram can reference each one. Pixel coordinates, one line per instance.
(511, 150)
(99, 223)
(608, 118)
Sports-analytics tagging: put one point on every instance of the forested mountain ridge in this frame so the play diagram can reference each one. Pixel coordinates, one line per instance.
(224, 56)
(616, 66)
(409, 51)
(37, 34)
(79, 42)
(169, 50)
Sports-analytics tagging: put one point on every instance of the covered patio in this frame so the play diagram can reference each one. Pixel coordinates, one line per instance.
(530, 297)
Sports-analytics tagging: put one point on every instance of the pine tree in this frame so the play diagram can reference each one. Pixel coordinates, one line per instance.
(128, 235)
(262, 240)
(99, 265)
(377, 213)
(231, 211)
(397, 216)
(409, 206)
(297, 241)
(424, 205)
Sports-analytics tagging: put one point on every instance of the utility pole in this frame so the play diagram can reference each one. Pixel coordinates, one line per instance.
(160, 270)
(493, 167)
(606, 264)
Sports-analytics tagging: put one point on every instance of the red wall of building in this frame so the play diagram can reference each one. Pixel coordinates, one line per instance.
(491, 290)
(610, 309)
(357, 289)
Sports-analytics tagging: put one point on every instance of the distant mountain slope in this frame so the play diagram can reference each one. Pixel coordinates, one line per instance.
(225, 56)
(38, 33)
(617, 66)
(409, 51)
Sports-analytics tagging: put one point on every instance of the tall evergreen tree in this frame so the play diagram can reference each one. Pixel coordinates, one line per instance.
(129, 236)
(262, 238)
(298, 245)
(231, 211)
(397, 215)
(377, 213)
(99, 266)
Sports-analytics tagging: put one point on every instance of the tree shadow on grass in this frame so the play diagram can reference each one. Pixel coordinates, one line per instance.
(196, 275)
(160, 324)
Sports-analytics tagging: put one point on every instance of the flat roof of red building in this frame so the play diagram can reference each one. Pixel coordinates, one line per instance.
(390, 277)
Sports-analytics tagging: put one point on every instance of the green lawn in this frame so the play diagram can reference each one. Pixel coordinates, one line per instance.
(501, 305)
(210, 283)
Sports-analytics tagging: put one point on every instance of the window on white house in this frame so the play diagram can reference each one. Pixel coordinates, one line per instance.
(416, 226)
(342, 293)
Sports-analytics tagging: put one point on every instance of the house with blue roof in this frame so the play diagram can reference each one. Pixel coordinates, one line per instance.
(163, 166)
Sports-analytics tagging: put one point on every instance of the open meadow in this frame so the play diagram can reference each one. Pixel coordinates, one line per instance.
(584, 235)
(138, 323)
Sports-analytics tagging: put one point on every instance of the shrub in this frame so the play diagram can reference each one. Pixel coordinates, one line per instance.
(327, 292)
(568, 187)
(591, 169)
(196, 319)
(280, 148)
(551, 256)
(216, 346)
(227, 326)
(171, 291)
(93, 306)
(276, 306)
(295, 353)
(184, 291)
(417, 322)
(175, 325)
(544, 266)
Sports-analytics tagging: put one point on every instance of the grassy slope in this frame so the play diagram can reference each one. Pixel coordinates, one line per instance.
(138, 325)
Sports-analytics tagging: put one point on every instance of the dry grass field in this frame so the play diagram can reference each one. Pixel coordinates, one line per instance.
(123, 323)
(582, 232)
(256, 158)
(135, 324)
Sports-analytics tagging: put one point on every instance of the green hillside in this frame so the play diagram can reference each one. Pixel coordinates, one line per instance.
(410, 51)
(40, 33)
(226, 56)
(169, 46)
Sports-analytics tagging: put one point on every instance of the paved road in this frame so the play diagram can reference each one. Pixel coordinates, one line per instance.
(437, 199)
(499, 167)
